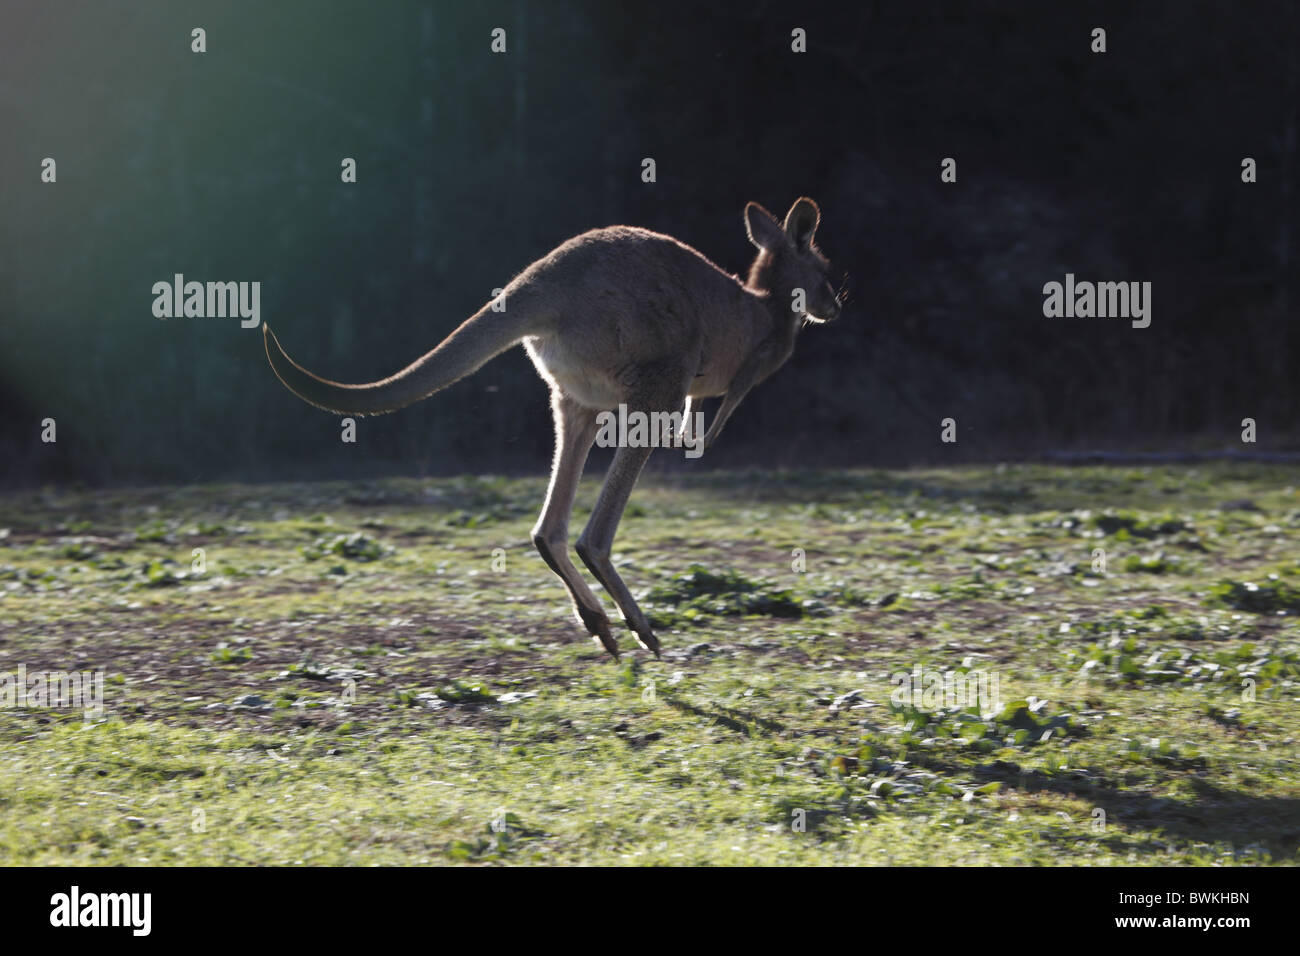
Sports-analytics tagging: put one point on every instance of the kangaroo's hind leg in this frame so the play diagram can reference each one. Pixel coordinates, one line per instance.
(596, 542)
(575, 430)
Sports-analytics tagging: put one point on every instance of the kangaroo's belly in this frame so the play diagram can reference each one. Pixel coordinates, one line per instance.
(574, 374)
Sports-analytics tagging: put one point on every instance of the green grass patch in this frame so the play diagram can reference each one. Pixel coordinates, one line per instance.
(385, 673)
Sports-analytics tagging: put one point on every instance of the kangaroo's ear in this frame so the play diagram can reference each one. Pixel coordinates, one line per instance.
(764, 231)
(801, 222)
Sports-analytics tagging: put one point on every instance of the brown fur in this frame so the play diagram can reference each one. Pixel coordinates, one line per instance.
(617, 315)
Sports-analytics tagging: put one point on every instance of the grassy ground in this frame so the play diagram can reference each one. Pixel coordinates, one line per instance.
(387, 673)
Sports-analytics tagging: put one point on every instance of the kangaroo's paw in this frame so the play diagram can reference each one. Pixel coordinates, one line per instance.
(597, 625)
(648, 640)
(606, 640)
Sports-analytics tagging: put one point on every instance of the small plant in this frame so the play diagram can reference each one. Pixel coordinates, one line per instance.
(697, 592)
(153, 531)
(1267, 597)
(157, 574)
(1127, 524)
(1020, 723)
(78, 550)
(354, 547)
(1158, 563)
(460, 692)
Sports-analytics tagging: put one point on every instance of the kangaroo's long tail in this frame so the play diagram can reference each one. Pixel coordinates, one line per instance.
(480, 338)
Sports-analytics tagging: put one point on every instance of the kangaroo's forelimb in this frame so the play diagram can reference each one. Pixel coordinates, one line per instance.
(740, 386)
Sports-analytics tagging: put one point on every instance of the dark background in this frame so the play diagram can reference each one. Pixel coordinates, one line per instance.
(1122, 166)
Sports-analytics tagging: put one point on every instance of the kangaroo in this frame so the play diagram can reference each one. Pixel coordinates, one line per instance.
(618, 315)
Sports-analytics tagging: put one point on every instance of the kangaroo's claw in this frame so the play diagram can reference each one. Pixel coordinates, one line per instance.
(604, 636)
(649, 642)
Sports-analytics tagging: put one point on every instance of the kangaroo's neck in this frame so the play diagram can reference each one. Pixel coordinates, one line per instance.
(774, 295)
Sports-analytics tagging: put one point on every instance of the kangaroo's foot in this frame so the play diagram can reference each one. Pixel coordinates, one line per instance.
(602, 568)
(648, 640)
(598, 626)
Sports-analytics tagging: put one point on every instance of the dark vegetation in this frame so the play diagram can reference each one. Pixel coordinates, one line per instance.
(1120, 166)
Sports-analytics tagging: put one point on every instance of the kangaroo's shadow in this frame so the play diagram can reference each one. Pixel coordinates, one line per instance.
(1216, 815)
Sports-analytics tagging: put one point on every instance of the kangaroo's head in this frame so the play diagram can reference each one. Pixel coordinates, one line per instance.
(788, 262)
